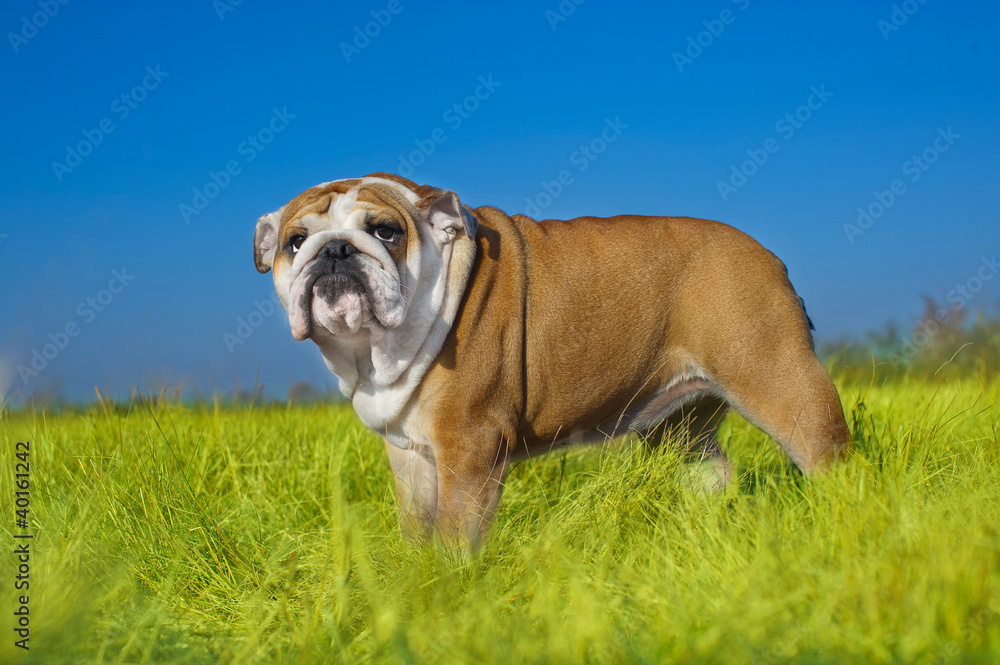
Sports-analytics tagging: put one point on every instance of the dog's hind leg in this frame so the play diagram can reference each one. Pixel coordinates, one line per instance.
(792, 398)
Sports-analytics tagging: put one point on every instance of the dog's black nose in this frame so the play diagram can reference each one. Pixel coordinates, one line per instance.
(336, 250)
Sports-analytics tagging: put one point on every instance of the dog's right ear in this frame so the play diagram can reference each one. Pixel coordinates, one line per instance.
(265, 240)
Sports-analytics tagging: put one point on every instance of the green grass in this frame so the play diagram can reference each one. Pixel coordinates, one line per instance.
(238, 534)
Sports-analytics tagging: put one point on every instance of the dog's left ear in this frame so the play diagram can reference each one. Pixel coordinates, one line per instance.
(446, 214)
(265, 240)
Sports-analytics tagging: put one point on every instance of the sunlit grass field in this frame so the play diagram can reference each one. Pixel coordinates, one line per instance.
(267, 534)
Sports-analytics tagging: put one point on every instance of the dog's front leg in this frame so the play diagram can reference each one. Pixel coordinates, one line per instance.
(416, 488)
(470, 481)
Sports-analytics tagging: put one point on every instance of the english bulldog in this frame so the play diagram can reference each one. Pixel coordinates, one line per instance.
(470, 338)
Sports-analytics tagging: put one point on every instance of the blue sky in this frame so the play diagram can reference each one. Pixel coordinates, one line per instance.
(803, 112)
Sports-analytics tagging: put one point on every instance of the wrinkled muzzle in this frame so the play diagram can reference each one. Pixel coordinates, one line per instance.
(338, 286)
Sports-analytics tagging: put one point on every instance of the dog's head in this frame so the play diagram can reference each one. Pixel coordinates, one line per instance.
(353, 259)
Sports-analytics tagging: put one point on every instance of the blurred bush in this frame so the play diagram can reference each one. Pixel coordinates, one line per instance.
(944, 340)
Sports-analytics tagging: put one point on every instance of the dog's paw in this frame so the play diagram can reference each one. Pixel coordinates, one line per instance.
(709, 475)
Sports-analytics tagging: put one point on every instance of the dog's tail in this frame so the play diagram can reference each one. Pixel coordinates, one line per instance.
(802, 303)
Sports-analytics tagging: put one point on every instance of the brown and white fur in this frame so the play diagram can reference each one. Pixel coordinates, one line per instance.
(471, 338)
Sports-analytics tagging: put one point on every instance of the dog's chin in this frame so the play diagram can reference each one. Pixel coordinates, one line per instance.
(340, 307)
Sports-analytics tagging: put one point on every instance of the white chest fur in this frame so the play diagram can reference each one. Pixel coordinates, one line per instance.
(392, 411)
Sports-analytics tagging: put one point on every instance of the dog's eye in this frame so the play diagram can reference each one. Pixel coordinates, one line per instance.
(385, 233)
(296, 242)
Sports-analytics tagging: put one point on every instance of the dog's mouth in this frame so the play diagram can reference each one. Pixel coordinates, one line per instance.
(340, 303)
(343, 297)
